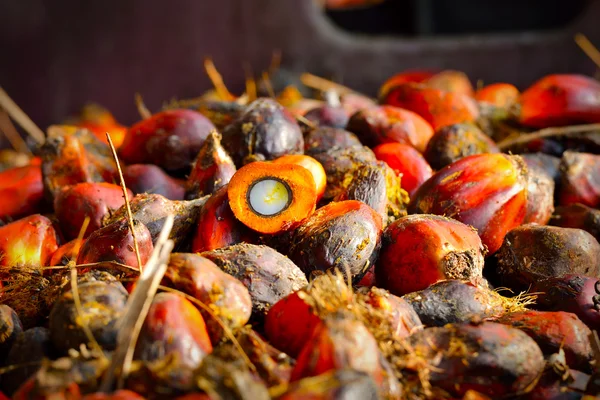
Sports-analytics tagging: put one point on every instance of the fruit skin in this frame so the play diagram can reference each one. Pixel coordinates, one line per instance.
(202, 279)
(217, 226)
(326, 115)
(148, 178)
(322, 139)
(339, 342)
(453, 142)
(344, 235)
(264, 131)
(66, 253)
(100, 121)
(152, 211)
(420, 250)
(94, 200)
(501, 95)
(122, 394)
(544, 162)
(553, 331)
(453, 301)
(411, 76)
(580, 179)
(336, 384)
(114, 242)
(570, 293)
(169, 139)
(212, 169)
(29, 241)
(486, 191)
(10, 328)
(407, 162)
(540, 196)
(560, 99)
(578, 216)
(490, 358)
(102, 304)
(268, 275)
(21, 191)
(315, 168)
(438, 107)
(387, 124)
(451, 81)
(532, 252)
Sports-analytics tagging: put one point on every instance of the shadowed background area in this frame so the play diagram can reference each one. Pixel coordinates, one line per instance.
(58, 55)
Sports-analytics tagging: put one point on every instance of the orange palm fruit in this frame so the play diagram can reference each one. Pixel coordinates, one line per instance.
(315, 168)
(560, 99)
(501, 95)
(66, 253)
(28, 241)
(271, 198)
(100, 121)
(406, 162)
(21, 191)
(451, 81)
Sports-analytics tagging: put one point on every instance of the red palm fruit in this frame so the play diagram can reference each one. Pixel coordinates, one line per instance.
(10, 328)
(490, 358)
(339, 342)
(570, 293)
(327, 115)
(100, 121)
(553, 331)
(21, 191)
(324, 138)
(315, 168)
(290, 323)
(66, 253)
(486, 191)
(122, 394)
(420, 250)
(343, 235)
(578, 216)
(264, 131)
(212, 169)
(501, 95)
(74, 155)
(29, 241)
(407, 162)
(453, 142)
(333, 385)
(150, 179)
(170, 139)
(152, 211)
(451, 81)
(533, 252)
(438, 107)
(226, 296)
(114, 242)
(268, 275)
(74, 203)
(560, 99)
(29, 390)
(580, 179)
(217, 226)
(173, 326)
(387, 124)
(401, 316)
(416, 76)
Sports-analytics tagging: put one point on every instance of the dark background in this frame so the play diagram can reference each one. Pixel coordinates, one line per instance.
(57, 55)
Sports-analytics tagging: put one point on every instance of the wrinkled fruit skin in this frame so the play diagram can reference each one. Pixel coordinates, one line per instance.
(148, 178)
(560, 99)
(268, 275)
(531, 253)
(342, 235)
(115, 242)
(570, 293)
(407, 162)
(580, 179)
(453, 142)
(94, 200)
(202, 279)
(169, 139)
(21, 191)
(387, 124)
(420, 250)
(102, 305)
(453, 301)
(29, 241)
(496, 360)
(322, 139)
(264, 131)
(486, 191)
(217, 226)
(553, 331)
